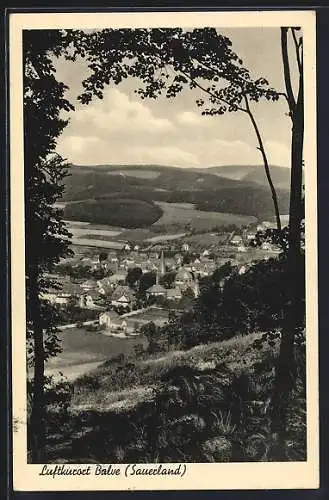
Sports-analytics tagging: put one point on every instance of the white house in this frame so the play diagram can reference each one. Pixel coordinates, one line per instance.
(236, 240)
(113, 321)
(174, 294)
(183, 279)
(156, 291)
(68, 292)
(90, 300)
(117, 278)
(123, 297)
(89, 285)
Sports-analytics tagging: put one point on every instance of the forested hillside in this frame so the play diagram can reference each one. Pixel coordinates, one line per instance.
(123, 212)
(254, 173)
(148, 184)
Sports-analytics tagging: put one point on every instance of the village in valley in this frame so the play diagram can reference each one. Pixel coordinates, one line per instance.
(117, 291)
(164, 246)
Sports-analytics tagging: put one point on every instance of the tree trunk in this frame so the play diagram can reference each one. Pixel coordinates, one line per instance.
(286, 366)
(266, 165)
(37, 422)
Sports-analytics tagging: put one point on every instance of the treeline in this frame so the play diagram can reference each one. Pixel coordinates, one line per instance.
(91, 183)
(249, 201)
(121, 212)
(212, 194)
(72, 313)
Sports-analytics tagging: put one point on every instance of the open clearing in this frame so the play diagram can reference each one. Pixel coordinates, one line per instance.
(185, 213)
(83, 351)
(85, 242)
(139, 174)
(93, 232)
(165, 237)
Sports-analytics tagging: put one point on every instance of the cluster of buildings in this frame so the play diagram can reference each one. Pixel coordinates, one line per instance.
(113, 290)
(131, 323)
(117, 302)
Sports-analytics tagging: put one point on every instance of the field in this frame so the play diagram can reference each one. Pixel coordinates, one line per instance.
(89, 234)
(86, 232)
(139, 174)
(185, 213)
(165, 237)
(98, 243)
(151, 315)
(206, 239)
(84, 350)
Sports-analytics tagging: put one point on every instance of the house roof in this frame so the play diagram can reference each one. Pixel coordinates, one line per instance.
(157, 289)
(120, 275)
(123, 290)
(94, 294)
(103, 282)
(183, 274)
(107, 289)
(71, 288)
(174, 292)
(114, 316)
(89, 283)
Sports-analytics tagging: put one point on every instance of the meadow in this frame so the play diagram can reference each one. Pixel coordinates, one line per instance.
(98, 243)
(135, 173)
(185, 213)
(86, 350)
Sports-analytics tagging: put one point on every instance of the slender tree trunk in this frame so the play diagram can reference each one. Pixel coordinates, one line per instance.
(286, 366)
(37, 423)
(266, 165)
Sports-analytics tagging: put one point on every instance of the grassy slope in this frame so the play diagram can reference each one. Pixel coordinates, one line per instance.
(112, 412)
(112, 382)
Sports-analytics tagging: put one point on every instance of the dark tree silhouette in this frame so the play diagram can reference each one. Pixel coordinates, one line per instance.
(295, 310)
(46, 235)
(102, 256)
(133, 276)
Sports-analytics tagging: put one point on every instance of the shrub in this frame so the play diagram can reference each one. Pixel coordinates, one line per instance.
(90, 382)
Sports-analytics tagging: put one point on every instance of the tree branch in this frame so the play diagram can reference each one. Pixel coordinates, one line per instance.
(283, 94)
(266, 165)
(297, 46)
(214, 96)
(286, 71)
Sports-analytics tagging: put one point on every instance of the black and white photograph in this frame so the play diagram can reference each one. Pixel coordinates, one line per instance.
(165, 201)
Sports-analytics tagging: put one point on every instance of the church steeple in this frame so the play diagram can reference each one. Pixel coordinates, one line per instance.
(196, 288)
(162, 264)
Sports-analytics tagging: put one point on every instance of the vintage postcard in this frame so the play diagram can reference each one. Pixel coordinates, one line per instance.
(164, 250)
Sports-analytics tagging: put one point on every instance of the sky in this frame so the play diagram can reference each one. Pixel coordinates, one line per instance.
(123, 129)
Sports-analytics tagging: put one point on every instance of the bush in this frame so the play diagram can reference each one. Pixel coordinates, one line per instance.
(90, 382)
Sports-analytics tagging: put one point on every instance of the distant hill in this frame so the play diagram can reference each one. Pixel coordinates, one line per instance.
(247, 173)
(211, 189)
(96, 180)
(254, 173)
